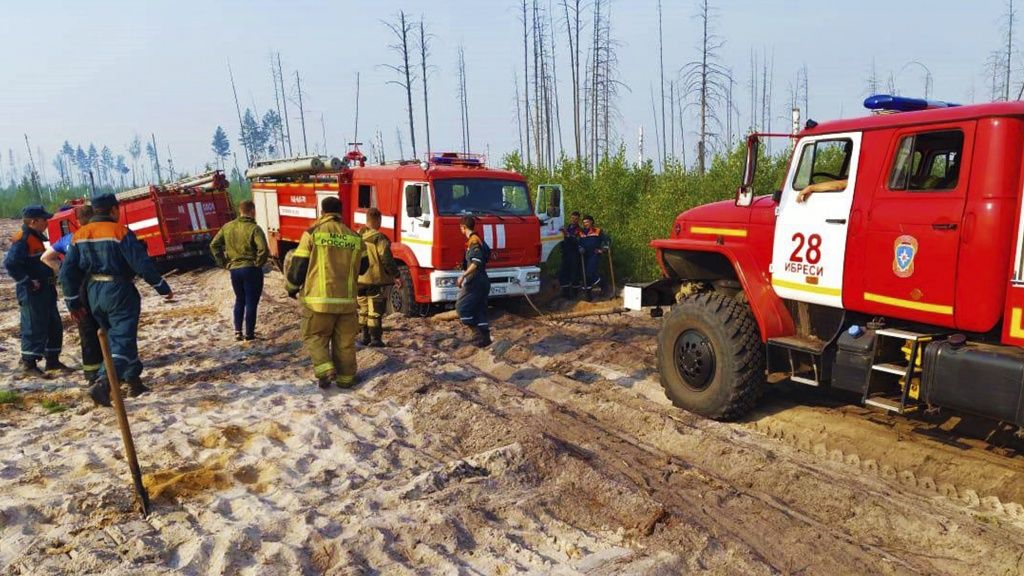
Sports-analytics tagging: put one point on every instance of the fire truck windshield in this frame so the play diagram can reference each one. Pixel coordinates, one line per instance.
(458, 196)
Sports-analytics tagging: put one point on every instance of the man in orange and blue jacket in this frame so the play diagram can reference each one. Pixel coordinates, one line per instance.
(107, 256)
(42, 333)
(592, 243)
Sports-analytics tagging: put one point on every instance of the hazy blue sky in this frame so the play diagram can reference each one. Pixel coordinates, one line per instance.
(103, 70)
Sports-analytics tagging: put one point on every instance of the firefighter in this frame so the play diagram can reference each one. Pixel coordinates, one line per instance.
(322, 274)
(102, 262)
(592, 244)
(92, 356)
(569, 272)
(474, 285)
(241, 247)
(35, 288)
(380, 273)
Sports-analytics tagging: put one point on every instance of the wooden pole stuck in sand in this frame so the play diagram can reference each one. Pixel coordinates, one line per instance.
(611, 272)
(122, 423)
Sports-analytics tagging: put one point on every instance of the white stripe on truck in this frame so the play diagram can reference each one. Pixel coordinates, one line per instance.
(147, 223)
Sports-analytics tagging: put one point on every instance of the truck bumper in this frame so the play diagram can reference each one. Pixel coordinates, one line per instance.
(505, 282)
(660, 292)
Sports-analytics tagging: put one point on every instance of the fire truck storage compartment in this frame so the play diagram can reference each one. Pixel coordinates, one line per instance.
(982, 379)
(854, 357)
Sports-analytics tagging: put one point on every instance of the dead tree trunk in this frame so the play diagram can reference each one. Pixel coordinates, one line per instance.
(401, 29)
(424, 52)
(238, 109)
(284, 103)
(526, 79)
(302, 114)
(661, 67)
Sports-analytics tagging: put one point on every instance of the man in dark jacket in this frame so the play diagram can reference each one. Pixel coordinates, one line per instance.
(92, 356)
(592, 244)
(569, 272)
(106, 257)
(474, 284)
(42, 333)
(241, 247)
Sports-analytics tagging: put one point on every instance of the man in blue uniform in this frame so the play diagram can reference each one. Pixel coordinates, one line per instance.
(92, 356)
(592, 244)
(106, 257)
(35, 287)
(569, 272)
(474, 284)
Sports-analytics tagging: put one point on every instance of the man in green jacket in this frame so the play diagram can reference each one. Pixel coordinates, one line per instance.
(322, 274)
(380, 274)
(241, 247)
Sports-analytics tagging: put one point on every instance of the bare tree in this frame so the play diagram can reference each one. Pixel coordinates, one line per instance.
(705, 82)
(1009, 19)
(602, 84)
(519, 113)
(657, 137)
(278, 96)
(238, 109)
(661, 67)
(994, 69)
(302, 113)
(401, 29)
(572, 29)
(284, 104)
(464, 99)
(873, 83)
(526, 78)
(424, 46)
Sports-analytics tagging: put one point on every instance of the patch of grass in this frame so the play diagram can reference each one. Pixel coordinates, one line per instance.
(9, 397)
(52, 406)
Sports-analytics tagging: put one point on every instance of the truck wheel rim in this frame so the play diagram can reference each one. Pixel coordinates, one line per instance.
(396, 299)
(695, 359)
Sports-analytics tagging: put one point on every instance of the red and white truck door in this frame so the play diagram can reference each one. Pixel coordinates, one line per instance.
(913, 233)
(809, 251)
(550, 208)
(417, 219)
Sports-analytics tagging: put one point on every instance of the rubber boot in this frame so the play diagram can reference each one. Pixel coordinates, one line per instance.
(366, 335)
(100, 393)
(91, 376)
(325, 381)
(483, 337)
(136, 388)
(53, 363)
(376, 337)
(29, 368)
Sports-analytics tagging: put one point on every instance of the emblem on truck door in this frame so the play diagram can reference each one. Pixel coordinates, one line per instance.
(905, 248)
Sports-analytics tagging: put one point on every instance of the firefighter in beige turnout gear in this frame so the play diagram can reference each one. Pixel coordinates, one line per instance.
(323, 273)
(380, 273)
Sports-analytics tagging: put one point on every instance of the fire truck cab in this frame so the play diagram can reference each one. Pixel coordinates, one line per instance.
(421, 204)
(890, 264)
(176, 221)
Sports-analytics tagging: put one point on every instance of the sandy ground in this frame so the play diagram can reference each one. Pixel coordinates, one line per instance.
(554, 451)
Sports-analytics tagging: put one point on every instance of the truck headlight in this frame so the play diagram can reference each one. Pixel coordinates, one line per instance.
(445, 282)
(533, 276)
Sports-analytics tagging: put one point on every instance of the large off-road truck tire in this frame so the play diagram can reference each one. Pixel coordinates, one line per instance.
(710, 356)
(402, 298)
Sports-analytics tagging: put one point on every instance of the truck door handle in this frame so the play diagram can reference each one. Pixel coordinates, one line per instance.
(944, 226)
(835, 220)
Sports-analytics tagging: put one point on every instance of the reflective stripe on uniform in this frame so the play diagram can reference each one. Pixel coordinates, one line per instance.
(321, 369)
(346, 379)
(300, 253)
(91, 367)
(326, 300)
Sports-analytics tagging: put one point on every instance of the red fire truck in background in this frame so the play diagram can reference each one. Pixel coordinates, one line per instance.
(421, 203)
(176, 221)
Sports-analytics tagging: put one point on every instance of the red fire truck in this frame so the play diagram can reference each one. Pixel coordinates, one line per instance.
(176, 220)
(421, 203)
(898, 278)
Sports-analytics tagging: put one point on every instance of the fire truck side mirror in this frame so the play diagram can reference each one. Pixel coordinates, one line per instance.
(745, 193)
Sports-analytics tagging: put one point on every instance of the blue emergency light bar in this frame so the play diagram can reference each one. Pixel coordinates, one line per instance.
(887, 103)
(456, 159)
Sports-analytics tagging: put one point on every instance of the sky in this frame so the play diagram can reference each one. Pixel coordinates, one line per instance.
(105, 70)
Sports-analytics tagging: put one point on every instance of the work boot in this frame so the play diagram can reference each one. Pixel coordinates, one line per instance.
(347, 381)
(135, 387)
(325, 381)
(100, 393)
(376, 337)
(54, 364)
(483, 337)
(91, 377)
(29, 368)
(366, 335)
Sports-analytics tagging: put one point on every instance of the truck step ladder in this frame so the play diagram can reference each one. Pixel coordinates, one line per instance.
(881, 392)
(801, 351)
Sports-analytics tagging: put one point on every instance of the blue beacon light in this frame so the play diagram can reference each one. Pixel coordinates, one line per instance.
(885, 102)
